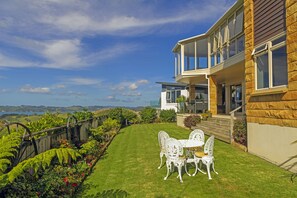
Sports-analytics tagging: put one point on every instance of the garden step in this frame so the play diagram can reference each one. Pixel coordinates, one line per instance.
(217, 126)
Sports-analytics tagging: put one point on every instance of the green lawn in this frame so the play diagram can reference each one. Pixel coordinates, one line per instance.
(131, 161)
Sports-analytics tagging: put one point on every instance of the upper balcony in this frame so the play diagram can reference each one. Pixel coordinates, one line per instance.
(191, 59)
(221, 47)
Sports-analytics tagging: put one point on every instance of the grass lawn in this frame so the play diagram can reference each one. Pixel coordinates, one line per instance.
(131, 161)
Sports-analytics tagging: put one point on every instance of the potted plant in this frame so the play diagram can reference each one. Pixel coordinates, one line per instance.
(181, 103)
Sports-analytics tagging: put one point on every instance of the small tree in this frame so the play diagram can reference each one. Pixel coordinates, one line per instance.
(148, 115)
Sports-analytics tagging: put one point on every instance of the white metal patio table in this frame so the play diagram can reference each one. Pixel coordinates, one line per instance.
(189, 144)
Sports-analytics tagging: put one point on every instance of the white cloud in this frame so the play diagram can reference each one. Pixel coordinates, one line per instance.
(132, 94)
(38, 90)
(143, 81)
(83, 81)
(111, 52)
(74, 93)
(133, 86)
(127, 85)
(52, 32)
(59, 86)
(7, 61)
(62, 53)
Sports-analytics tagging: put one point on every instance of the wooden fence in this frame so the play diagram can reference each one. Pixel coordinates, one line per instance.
(47, 139)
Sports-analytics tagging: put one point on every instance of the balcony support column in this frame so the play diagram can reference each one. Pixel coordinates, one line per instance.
(192, 92)
(213, 91)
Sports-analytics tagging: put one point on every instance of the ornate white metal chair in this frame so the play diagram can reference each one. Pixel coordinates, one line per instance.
(174, 152)
(162, 136)
(197, 134)
(206, 157)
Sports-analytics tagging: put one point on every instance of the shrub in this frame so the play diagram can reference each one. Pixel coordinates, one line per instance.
(129, 115)
(116, 114)
(103, 132)
(191, 121)
(83, 115)
(168, 115)
(240, 131)
(46, 121)
(148, 115)
(110, 124)
(204, 116)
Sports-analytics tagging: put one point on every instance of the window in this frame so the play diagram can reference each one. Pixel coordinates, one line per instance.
(218, 57)
(240, 44)
(223, 33)
(232, 51)
(239, 21)
(271, 64)
(212, 60)
(171, 95)
(279, 67)
(229, 39)
(189, 56)
(225, 53)
(231, 27)
(262, 71)
(177, 64)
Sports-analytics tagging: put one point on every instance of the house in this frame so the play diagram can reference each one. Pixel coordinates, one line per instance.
(248, 59)
(171, 91)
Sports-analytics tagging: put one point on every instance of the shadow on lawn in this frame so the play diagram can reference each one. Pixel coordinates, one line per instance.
(117, 193)
(291, 165)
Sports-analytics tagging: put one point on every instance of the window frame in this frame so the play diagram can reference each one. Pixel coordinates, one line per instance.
(225, 40)
(268, 48)
(171, 91)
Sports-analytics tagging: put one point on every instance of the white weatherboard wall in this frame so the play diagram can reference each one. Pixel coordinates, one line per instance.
(167, 106)
(273, 143)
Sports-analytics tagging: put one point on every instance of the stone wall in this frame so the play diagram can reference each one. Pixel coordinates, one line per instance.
(278, 108)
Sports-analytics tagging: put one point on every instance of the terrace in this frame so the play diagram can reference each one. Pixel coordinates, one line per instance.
(130, 167)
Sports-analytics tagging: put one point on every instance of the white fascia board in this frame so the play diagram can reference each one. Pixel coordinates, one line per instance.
(225, 16)
(188, 40)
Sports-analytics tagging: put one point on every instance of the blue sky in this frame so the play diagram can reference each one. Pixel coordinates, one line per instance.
(95, 52)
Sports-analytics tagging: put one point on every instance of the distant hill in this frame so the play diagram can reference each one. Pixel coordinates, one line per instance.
(33, 109)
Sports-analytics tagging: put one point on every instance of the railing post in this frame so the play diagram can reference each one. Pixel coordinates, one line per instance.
(231, 127)
(232, 114)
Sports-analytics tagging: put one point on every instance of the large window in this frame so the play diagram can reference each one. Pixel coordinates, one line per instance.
(171, 95)
(189, 55)
(177, 63)
(271, 63)
(228, 40)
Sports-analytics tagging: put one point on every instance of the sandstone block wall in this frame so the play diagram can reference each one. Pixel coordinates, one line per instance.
(275, 109)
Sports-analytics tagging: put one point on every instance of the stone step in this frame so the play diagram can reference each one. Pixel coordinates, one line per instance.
(227, 127)
(214, 130)
(217, 126)
(218, 135)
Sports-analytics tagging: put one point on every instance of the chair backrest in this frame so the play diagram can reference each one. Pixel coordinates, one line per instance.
(162, 136)
(197, 134)
(208, 147)
(174, 149)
